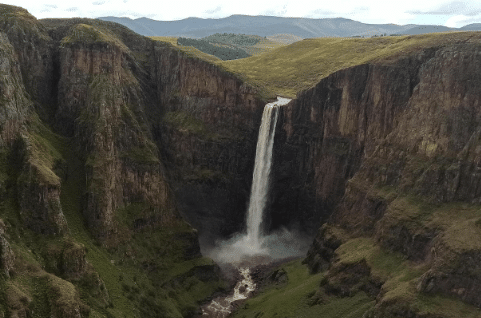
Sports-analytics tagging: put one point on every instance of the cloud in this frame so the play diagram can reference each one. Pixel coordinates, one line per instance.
(98, 3)
(212, 11)
(360, 9)
(278, 11)
(48, 7)
(455, 7)
(462, 20)
(72, 9)
(318, 13)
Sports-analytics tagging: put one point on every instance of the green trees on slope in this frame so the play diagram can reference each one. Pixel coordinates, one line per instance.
(222, 52)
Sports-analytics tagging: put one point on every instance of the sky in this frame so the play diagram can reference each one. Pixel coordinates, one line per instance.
(439, 12)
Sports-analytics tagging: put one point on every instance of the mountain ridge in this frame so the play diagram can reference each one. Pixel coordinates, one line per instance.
(271, 25)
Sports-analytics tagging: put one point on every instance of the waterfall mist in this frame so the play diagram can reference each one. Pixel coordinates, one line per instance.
(254, 245)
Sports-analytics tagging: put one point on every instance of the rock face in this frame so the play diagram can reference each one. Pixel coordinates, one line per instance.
(386, 150)
(98, 96)
(92, 143)
(110, 135)
(7, 257)
(113, 138)
(209, 138)
(324, 134)
(15, 103)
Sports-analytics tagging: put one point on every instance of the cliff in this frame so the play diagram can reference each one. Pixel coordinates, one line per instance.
(387, 154)
(110, 142)
(104, 134)
(209, 134)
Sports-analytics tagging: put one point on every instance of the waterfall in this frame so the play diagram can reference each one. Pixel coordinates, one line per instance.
(246, 250)
(253, 243)
(260, 179)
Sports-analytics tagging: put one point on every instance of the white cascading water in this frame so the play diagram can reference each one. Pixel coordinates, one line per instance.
(252, 247)
(260, 179)
(253, 242)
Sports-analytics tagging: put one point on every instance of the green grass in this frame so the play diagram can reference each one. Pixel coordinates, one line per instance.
(298, 66)
(16, 13)
(457, 221)
(390, 267)
(186, 123)
(188, 50)
(458, 227)
(85, 33)
(264, 45)
(293, 299)
(42, 151)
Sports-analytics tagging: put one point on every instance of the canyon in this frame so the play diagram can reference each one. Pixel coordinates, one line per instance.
(124, 160)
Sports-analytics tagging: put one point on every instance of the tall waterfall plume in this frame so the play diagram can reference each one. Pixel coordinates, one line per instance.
(260, 179)
(254, 244)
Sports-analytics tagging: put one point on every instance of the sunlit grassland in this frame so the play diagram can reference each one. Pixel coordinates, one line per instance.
(189, 50)
(298, 66)
(263, 46)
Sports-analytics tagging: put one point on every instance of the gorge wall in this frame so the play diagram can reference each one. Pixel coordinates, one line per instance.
(388, 155)
(109, 140)
(208, 139)
(326, 132)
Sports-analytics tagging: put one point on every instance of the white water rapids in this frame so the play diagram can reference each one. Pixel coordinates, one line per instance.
(221, 307)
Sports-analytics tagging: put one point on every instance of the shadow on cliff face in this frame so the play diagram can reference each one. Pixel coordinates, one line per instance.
(239, 251)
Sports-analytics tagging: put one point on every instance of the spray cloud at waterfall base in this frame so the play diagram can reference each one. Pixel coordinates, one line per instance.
(254, 246)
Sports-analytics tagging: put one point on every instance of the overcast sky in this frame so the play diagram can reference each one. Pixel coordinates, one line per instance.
(448, 13)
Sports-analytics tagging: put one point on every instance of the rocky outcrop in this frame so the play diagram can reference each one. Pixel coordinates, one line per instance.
(15, 104)
(64, 299)
(101, 104)
(384, 113)
(345, 280)
(39, 193)
(38, 186)
(322, 250)
(7, 257)
(34, 51)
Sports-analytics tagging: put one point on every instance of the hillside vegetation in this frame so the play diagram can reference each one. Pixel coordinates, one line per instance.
(224, 52)
(235, 45)
(298, 66)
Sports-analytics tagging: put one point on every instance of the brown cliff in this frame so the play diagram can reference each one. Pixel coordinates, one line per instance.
(208, 139)
(388, 150)
(90, 128)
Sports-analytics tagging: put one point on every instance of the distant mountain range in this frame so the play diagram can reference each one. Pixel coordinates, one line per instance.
(269, 25)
